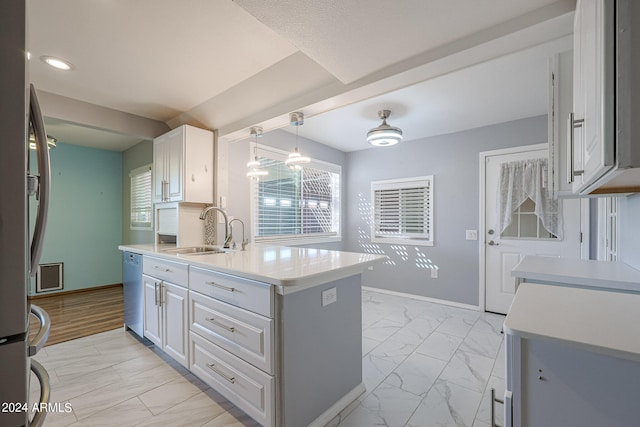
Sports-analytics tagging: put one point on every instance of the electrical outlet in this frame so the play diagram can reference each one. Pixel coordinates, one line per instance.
(434, 273)
(472, 234)
(329, 296)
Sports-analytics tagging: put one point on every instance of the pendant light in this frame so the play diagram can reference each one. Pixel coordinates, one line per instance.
(254, 165)
(295, 159)
(384, 135)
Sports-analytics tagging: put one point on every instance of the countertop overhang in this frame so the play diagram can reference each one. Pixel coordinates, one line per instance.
(594, 320)
(290, 269)
(584, 273)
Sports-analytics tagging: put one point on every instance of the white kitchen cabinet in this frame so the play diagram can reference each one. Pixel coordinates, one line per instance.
(166, 322)
(572, 358)
(183, 166)
(152, 311)
(603, 140)
(166, 319)
(560, 107)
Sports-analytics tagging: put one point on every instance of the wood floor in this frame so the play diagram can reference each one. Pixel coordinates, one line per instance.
(79, 314)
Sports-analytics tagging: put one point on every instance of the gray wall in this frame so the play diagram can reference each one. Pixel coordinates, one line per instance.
(453, 161)
(139, 155)
(630, 230)
(238, 200)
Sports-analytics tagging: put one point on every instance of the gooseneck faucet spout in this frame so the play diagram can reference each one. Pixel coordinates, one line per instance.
(227, 234)
(244, 241)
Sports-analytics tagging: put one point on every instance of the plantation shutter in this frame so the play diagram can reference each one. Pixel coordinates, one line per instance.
(403, 209)
(141, 205)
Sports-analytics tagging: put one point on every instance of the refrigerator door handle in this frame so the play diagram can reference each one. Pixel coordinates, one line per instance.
(43, 334)
(44, 170)
(45, 393)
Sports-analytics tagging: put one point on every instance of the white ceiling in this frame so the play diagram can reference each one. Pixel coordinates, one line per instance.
(229, 65)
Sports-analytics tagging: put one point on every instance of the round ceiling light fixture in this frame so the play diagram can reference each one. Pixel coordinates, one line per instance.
(384, 135)
(58, 63)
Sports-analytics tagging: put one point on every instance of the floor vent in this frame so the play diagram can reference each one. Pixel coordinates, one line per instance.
(49, 277)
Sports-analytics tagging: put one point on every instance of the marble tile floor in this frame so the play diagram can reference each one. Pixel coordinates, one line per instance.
(424, 364)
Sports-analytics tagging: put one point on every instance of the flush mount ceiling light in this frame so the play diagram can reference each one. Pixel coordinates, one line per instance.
(58, 63)
(384, 135)
(295, 159)
(254, 165)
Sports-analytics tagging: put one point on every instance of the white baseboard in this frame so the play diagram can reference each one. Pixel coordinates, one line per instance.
(421, 298)
(338, 407)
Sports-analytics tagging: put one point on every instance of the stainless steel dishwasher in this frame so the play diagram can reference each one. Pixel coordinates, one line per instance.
(133, 292)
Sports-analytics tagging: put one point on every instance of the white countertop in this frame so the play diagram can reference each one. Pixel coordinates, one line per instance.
(586, 273)
(290, 269)
(595, 320)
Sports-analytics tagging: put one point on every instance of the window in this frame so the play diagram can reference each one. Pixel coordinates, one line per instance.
(296, 204)
(403, 211)
(141, 208)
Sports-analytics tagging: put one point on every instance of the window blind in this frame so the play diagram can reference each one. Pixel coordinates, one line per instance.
(402, 211)
(141, 204)
(296, 204)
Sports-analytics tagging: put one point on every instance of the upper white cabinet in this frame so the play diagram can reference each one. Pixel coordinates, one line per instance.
(603, 151)
(183, 166)
(560, 107)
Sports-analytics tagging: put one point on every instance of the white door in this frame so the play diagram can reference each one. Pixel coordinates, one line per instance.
(175, 328)
(152, 313)
(524, 236)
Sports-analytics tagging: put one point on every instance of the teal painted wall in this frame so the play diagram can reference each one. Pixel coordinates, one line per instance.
(137, 156)
(85, 216)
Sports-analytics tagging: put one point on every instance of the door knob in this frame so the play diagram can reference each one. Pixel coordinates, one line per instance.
(492, 243)
(490, 231)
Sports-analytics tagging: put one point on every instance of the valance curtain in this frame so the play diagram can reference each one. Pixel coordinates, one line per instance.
(524, 179)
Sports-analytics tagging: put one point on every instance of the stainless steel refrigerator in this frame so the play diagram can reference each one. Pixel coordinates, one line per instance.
(19, 253)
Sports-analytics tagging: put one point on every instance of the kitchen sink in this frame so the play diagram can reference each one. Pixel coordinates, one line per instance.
(196, 250)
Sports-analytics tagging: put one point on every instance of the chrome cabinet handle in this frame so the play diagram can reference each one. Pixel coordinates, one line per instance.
(43, 334)
(222, 325)
(155, 291)
(45, 392)
(217, 285)
(212, 366)
(494, 399)
(572, 124)
(165, 192)
(166, 270)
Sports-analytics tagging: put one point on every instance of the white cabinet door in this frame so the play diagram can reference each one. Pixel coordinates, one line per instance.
(560, 108)
(175, 162)
(159, 167)
(152, 310)
(175, 322)
(593, 90)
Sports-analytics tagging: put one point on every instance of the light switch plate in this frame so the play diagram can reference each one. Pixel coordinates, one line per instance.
(472, 234)
(434, 273)
(329, 296)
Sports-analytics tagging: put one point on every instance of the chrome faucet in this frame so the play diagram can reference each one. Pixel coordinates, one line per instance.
(227, 234)
(244, 242)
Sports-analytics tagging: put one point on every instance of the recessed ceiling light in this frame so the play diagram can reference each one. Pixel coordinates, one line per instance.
(58, 63)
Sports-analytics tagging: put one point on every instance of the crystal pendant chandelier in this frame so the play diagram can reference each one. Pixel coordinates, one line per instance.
(254, 165)
(295, 159)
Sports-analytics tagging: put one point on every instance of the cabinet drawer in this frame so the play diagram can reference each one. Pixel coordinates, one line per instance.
(241, 332)
(244, 293)
(245, 386)
(171, 271)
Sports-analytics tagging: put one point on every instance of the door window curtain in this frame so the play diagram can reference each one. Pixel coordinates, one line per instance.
(523, 179)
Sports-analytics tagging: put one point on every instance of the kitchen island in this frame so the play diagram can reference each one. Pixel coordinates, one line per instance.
(276, 330)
